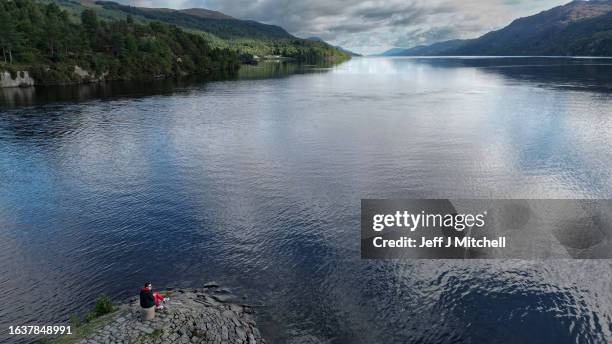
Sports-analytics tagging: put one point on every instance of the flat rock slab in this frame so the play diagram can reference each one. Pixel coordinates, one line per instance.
(190, 316)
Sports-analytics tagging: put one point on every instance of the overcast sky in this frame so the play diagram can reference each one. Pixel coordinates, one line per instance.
(373, 26)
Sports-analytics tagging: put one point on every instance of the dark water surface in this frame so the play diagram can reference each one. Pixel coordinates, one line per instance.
(256, 184)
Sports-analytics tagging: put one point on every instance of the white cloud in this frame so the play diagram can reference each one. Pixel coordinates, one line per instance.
(371, 26)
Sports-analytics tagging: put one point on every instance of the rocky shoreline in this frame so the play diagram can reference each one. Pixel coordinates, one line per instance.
(24, 77)
(20, 79)
(189, 316)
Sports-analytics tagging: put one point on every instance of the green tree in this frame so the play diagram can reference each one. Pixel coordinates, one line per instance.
(42, 39)
(54, 27)
(9, 37)
(89, 19)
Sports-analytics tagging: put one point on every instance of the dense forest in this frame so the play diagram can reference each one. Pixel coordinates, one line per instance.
(246, 37)
(42, 39)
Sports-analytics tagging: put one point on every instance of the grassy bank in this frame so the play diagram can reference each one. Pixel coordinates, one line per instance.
(99, 316)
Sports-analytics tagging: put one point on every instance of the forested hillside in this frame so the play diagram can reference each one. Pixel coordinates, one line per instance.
(247, 38)
(222, 27)
(579, 28)
(43, 40)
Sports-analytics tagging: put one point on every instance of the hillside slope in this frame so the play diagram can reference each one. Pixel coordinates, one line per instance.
(346, 51)
(222, 26)
(579, 28)
(246, 37)
(42, 40)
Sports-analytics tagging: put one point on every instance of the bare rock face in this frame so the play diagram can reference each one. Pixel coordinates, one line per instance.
(23, 79)
(86, 77)
(190, 316)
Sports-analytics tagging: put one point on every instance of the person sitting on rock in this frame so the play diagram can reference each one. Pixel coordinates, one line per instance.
(149, 298)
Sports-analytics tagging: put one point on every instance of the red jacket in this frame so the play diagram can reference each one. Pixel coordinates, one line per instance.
(147, 299)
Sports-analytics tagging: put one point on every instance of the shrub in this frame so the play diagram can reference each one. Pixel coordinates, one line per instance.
(103, 306)
(90, 316)
(156, 333)
(74, 320)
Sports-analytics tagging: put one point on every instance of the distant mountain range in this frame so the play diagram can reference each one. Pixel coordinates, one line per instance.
(247, 37)
(216, 23)
(579, 28)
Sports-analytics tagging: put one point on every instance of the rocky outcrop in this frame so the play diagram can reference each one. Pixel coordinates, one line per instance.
(22, 79)
(84, 76)
(190, 316)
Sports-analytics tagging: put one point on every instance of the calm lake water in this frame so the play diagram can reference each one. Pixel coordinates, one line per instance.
(256, 183)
